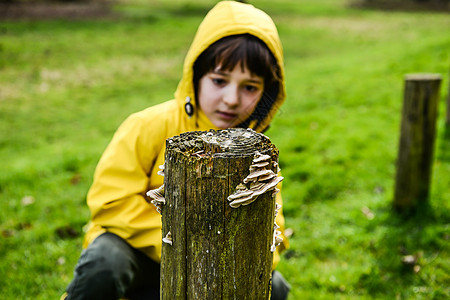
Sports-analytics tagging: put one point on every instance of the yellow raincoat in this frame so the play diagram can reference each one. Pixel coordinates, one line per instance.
(129, 165)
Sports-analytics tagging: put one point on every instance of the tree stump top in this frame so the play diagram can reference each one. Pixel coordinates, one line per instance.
(232, 142)
(423, 76)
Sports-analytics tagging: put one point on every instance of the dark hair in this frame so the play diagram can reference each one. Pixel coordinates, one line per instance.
(249, 52)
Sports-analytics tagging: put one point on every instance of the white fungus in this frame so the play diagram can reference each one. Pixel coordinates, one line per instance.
(260, 157)
(168, 238)
(161, 170)
(259, 181)
(157, 197)
(276, 239)
(260, 164)
(253, 176)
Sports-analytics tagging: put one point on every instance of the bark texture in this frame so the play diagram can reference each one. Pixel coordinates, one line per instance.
(418, 132)
(217, 252)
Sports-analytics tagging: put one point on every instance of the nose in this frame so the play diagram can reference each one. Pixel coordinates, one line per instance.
(231, 96)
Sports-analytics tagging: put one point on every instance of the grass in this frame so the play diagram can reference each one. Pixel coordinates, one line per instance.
(65, 86)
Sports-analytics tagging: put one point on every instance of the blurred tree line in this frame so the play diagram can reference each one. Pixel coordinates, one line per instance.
(405, 2)
(408, 3)
(50, 1)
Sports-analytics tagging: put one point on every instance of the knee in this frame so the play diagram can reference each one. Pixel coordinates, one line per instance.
(280, 287)
(105, 256)
(103, 267)
(111, 253)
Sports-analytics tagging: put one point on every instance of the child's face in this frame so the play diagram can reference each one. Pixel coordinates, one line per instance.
(229, 97)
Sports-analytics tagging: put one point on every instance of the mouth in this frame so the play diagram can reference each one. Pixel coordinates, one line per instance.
(227, 115)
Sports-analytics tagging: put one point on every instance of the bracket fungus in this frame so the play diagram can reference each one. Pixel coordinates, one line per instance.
(260, 180)
(168, 238)
(161, 170)
(157, 196)
(276, 239)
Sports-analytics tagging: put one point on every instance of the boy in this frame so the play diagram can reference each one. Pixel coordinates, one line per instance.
(233, 76)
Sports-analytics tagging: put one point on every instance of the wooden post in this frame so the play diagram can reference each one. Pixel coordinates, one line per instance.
(447, 117)
(416, 147)
(215, 251)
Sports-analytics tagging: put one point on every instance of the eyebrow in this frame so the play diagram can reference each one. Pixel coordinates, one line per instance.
(222, 73)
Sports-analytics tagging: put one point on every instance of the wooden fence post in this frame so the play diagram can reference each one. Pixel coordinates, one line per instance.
(447, 117)
(215, 251)
(416, 147)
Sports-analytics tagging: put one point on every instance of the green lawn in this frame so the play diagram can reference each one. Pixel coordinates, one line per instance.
(65, 86)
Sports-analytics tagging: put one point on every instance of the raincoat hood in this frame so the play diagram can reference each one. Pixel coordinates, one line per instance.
(225, 19)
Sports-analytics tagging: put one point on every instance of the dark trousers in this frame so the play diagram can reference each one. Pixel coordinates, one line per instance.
(111, 269)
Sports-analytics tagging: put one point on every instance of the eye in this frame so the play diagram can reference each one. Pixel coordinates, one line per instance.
(252, 88)
(218, 81)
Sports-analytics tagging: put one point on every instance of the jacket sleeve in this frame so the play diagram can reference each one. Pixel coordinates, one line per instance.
(116, 198)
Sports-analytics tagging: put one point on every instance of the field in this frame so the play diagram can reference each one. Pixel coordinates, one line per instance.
(66, 85)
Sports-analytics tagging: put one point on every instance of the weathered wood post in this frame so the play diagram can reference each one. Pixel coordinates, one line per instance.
(416, 147)
(447, 116)
(218, 217)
